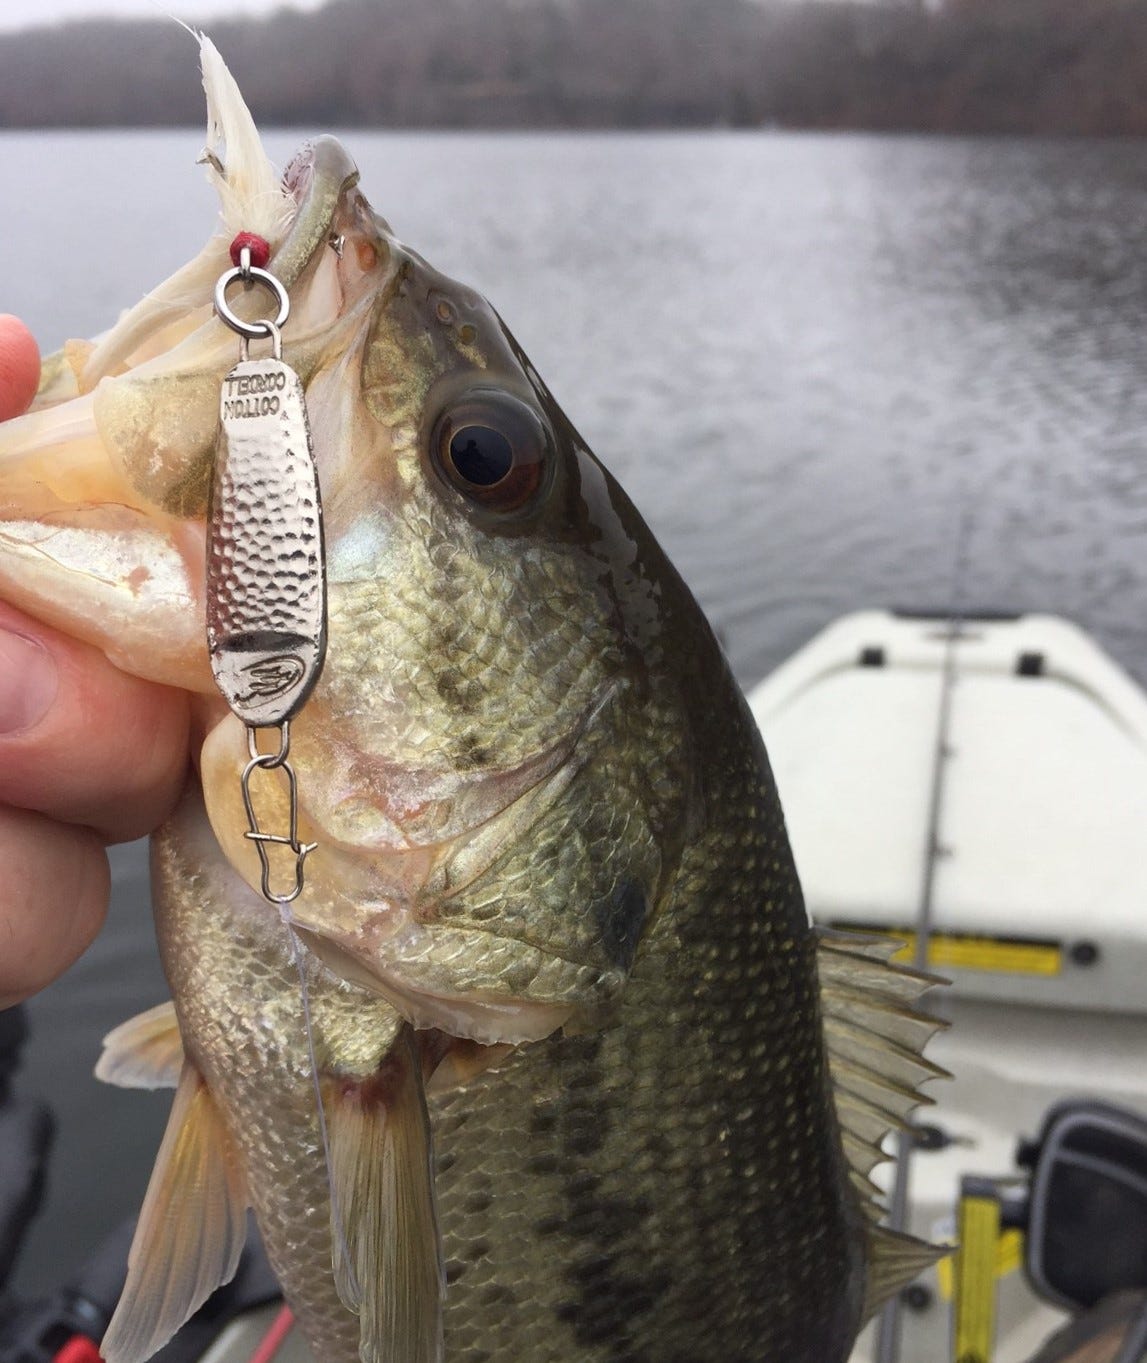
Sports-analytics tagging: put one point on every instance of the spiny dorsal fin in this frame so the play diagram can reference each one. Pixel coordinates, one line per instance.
(146, 1052)
(190, 1232)
(874, 1033)
(893, 1261)
(384, 1225)
(875, 1036)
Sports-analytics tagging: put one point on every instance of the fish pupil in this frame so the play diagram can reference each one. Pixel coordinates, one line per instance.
(481, 455)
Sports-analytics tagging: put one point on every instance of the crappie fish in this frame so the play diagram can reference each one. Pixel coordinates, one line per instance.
(593, 1089)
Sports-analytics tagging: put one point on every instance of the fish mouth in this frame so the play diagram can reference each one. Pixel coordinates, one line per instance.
(318, 177)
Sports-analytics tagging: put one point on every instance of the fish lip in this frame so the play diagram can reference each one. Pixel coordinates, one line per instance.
(323, 158)
(318, 177)
(299, 170)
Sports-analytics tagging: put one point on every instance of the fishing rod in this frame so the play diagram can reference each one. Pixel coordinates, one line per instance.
(888, 1336)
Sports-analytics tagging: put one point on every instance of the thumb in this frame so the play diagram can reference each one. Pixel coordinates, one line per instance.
(19, 366)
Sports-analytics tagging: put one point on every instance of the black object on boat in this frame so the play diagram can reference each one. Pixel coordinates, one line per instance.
(42, 1331)
(66, 1326)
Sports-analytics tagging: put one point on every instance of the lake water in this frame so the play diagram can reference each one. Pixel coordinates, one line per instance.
(809, 358)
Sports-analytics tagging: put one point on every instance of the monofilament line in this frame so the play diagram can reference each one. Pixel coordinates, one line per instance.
(337, 1222)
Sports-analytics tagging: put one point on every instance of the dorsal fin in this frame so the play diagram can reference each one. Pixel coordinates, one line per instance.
(875, 1037)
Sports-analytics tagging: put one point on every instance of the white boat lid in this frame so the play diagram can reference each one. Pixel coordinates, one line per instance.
(1043, 816)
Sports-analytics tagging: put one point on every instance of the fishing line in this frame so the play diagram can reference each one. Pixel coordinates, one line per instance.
(337, 1221)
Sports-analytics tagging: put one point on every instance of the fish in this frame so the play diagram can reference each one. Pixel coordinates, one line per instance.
(545, 1062)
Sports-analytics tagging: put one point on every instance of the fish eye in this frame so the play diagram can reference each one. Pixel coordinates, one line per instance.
(493, 449)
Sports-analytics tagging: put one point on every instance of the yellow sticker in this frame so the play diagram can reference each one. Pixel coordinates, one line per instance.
(948, 950)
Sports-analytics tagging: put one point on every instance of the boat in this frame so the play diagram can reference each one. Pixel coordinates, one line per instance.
(975, 785)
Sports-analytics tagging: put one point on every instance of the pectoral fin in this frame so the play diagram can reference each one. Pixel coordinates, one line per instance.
(388, 1255)
(190, 1232)
(145, 1052)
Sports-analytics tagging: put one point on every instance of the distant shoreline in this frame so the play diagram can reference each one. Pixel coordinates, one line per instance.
(1014, 67)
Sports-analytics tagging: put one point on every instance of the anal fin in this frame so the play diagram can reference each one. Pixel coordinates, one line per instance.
(146, 1052)
(190, 1232)
(388, 1251)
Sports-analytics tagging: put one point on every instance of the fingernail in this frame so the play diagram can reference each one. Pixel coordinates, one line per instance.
(28, 682)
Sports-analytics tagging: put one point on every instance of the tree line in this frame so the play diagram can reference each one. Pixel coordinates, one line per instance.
(1028, 66)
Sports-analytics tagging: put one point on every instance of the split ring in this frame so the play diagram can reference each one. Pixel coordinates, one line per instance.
(251, 331)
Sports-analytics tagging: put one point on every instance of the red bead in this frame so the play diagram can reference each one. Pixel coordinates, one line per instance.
(78, 1349)
(260, 250)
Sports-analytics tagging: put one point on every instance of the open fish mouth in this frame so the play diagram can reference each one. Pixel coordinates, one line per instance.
(106, 479)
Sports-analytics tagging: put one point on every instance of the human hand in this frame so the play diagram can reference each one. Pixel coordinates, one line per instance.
(88, 756)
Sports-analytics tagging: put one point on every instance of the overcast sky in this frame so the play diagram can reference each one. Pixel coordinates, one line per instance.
(26, 13)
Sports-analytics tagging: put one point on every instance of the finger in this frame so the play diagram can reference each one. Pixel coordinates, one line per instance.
(82, 741)
(56, 883)
(19, 366)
